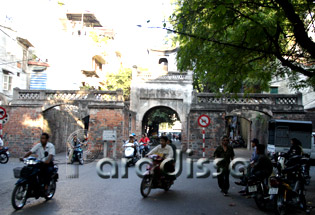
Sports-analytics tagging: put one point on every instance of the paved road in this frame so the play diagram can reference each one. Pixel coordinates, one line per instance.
(90, 194)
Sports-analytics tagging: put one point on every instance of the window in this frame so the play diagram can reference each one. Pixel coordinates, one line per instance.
(7, 82)
(274, 90)
(164, 64)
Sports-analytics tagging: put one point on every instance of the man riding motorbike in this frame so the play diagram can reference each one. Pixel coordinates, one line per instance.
(145, 140)
(261, 169)
(132, 140)
(45, 152)
(165, 151)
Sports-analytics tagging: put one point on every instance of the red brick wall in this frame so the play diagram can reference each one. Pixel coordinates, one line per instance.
(108, 119)
(23, 129)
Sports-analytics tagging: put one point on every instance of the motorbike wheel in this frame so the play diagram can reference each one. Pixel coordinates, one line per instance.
(51, 190)
(19, 196)
(4, 158)
(260, 200)
(81, 161)
(279, 205)
(146, 185)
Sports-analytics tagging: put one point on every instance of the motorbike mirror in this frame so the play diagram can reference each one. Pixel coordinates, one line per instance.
(46, 154)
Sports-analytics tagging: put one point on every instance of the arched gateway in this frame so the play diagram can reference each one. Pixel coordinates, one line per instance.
(160, 86)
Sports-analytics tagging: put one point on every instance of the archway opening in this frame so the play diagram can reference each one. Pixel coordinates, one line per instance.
(62, 120)
(242, 126)
(162, 121)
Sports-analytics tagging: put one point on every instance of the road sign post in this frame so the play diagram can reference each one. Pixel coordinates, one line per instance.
(204, 121)
(3, 114)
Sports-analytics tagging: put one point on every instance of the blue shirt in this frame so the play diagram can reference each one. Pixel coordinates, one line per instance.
(254, 155)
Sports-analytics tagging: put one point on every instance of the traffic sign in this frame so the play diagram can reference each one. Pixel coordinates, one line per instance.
(3, 113)
(204, 121)
(6, 119)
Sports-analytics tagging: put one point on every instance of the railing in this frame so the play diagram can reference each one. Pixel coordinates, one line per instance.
(167, 77)
(67, 95)
(249, 99)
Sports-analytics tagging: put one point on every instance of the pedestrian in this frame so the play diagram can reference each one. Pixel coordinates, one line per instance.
(226, 152)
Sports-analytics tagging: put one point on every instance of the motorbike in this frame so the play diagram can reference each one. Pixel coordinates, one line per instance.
(144, 149)
(288, 187)
(154, 178)
(129, 153)
(305, 165)
(4, 155)
(77, 154)
(30, 185)
(259, 191)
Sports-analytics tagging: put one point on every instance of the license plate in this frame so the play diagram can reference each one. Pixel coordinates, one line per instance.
(252, 189)
(273, 191)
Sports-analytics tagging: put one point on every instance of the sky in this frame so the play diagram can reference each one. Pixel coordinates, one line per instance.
(38, 21)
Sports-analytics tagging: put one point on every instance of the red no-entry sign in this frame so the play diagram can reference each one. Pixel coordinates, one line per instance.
(3, 113)
(204, 121)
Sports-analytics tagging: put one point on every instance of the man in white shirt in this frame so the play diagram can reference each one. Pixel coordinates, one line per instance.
(163, 149)
(45, 152)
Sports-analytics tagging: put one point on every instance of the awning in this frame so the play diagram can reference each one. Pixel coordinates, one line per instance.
(88, 18)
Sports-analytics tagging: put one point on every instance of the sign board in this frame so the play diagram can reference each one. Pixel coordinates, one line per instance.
(204, 121)
(109, 135)
(6, 119)
(3, 113)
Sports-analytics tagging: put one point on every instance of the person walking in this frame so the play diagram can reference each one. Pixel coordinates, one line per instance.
(226, 153)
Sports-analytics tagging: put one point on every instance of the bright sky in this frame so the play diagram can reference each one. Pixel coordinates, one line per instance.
(38, 21)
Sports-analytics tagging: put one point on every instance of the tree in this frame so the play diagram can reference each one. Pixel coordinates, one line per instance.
(159, 115)
(234, 44)
(116, 80)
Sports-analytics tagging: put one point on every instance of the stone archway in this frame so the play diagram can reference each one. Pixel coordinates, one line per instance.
(162, 109)
(64, 118)
(254, 124)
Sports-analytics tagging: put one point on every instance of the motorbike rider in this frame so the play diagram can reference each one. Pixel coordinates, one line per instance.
(253, 159)
(135, 143)
(296, 148)
(165, 151)
(74, 142)
(263, 167)
(145, 140)
(45, 152)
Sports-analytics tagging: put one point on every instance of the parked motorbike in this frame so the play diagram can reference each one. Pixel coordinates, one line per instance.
(129, 153)
(144, 149)
(4, 155)
(77, 155)
(288, 188)
(30, 185)
(154, 178)
(259, 190)
(306, 164)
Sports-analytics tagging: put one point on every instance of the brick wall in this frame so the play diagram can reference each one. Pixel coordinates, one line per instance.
(108, 119)
(213, 133)
(23, 129)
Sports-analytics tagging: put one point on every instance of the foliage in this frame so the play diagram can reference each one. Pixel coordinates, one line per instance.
(233, 45)
(159, 115)
(118, 80)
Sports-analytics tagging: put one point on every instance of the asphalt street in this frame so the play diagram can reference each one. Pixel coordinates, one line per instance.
(90, 194)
